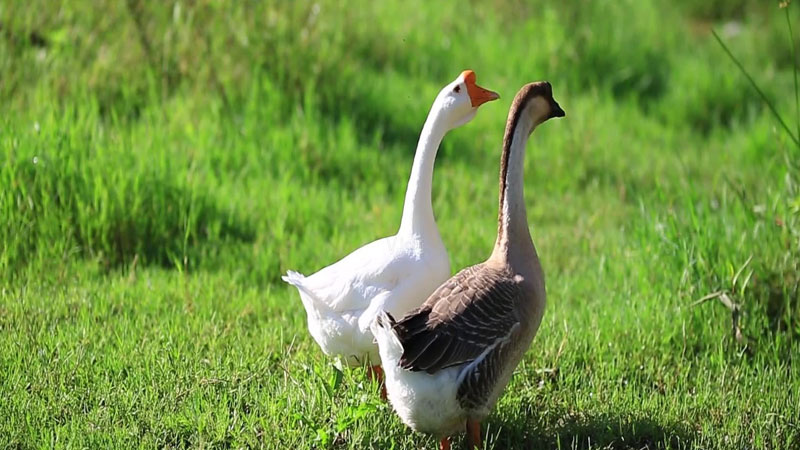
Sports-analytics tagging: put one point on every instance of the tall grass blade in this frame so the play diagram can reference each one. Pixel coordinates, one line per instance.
(755, 86)
(794, 66)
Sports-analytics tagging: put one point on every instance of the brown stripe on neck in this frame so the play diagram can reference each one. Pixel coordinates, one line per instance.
(525, 95)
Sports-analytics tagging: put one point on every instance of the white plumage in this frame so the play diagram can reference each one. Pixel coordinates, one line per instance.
(425, 402)
(393, 273)
(396, 273)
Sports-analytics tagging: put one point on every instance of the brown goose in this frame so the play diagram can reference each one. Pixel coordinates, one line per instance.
(448, 361)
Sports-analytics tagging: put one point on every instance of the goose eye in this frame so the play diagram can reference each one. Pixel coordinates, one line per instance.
(457, 89)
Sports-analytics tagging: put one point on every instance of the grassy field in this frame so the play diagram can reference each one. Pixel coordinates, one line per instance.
(163, 163)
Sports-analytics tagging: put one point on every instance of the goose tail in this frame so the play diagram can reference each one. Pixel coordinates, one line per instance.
(294, 278)
(310, 301)
(391, 350)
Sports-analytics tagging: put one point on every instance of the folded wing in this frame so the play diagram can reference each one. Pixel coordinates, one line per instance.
(463, 318)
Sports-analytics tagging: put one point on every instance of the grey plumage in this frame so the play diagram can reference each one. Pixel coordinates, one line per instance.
(464, 316)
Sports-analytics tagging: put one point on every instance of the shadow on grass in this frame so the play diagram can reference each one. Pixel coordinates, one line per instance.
(587, 431)
(115, 217)
(169, 224)
(783, 302)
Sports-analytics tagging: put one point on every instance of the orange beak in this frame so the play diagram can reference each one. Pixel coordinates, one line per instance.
(477, 94)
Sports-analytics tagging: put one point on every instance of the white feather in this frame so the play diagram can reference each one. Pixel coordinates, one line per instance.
(396, 273)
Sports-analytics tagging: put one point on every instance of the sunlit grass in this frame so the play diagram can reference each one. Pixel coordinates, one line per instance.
(162, 165)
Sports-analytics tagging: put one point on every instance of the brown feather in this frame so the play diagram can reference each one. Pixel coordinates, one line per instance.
(462, 318)
(526, 94)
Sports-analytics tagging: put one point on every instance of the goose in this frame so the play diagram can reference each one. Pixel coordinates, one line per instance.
(447, 362)
(395, 273)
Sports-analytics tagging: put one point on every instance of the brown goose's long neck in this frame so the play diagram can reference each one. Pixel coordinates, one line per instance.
(513, 237)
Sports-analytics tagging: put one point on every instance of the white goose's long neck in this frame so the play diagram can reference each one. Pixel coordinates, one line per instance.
(513, 218)
(417, 210)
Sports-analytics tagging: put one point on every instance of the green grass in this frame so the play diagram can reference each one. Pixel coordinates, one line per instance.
(161, 164)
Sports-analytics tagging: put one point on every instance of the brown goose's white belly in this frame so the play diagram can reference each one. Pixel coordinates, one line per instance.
(427, 403)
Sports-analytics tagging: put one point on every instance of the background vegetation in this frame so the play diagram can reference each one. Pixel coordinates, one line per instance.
(162, 163)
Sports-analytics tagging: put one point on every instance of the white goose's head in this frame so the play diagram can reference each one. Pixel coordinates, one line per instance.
(459, 100)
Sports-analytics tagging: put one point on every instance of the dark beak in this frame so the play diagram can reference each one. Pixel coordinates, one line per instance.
(555, 110)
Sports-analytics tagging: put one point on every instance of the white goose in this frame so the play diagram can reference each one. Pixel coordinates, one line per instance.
(396, 273)
(448, 361)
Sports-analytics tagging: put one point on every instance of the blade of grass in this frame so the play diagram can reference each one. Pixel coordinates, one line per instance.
(755, 86)
(794, 66)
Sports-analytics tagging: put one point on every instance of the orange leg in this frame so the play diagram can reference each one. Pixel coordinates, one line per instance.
(444, 444)
(473, 434)
(376, 373)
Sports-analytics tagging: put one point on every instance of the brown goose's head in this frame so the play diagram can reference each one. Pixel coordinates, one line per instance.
(534, 103)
